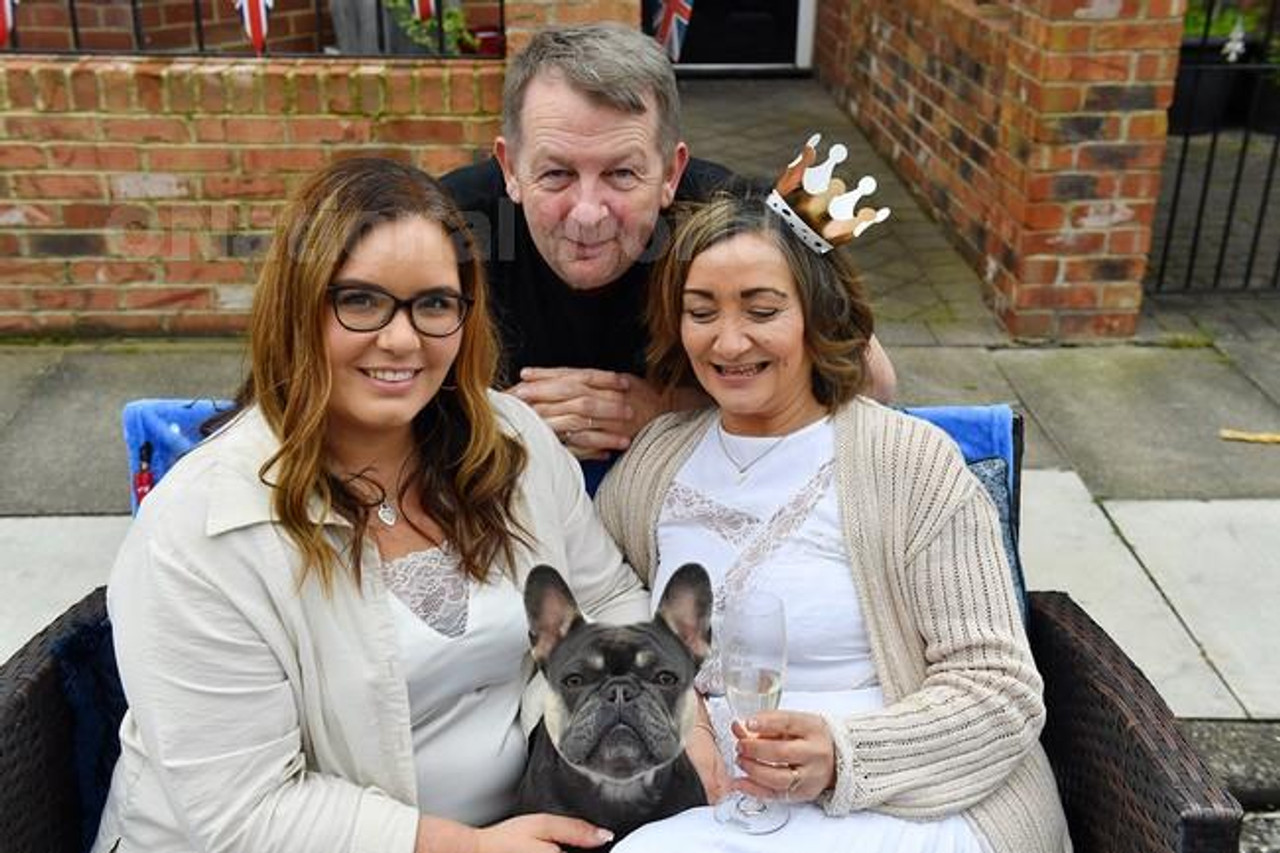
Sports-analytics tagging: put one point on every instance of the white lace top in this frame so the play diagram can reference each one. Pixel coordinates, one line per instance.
(776, 528)
(462, 643)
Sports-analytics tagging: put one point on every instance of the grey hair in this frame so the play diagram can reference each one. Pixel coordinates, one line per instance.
(611, 64)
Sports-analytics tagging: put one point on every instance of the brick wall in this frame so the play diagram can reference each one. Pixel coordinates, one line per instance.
(137, 195)
(1033, 129)
(524, 17)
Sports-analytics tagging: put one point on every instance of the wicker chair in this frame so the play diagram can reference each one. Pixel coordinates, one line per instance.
(1129, 781)
(60, 710)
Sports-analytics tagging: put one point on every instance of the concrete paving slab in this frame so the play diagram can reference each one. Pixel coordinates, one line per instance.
(1245, 754)
(962, 375)
(1069, 544)
(966, 328)
(1260, 833)
(1218, 563)
(1142, 422)
(20, 370)
(49, 564)
(63, 447)
(1258, 360)
(893, 333)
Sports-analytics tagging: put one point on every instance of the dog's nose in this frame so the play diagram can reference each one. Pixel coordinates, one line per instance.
(621, 690)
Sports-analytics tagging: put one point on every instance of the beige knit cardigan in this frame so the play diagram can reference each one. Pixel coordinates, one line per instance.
(963, 708)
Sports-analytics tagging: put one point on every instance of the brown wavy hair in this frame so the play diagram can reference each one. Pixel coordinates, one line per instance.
(467, 468)
(837, 316)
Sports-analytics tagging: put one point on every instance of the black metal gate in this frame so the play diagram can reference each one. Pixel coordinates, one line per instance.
(1217, 226)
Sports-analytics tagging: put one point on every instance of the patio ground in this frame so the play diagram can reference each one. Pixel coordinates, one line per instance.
(1166, 534)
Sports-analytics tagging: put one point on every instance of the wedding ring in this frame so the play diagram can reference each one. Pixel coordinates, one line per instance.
(795, 781)
(591, 423)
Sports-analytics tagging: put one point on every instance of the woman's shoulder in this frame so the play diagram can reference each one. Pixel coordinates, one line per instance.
(893, 430)
(674, 425)
(209, 514)
(656, 446)
(896, 447)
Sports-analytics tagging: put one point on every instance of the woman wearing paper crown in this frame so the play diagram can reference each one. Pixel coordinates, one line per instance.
(911, 708)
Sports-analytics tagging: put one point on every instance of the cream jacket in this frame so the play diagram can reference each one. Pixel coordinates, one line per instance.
(265, 717)
(959, 731)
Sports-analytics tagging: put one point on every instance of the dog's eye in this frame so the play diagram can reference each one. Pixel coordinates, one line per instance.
(665, 678)
(572, 680)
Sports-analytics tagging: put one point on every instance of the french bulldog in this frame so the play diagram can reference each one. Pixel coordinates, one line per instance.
(610, 746)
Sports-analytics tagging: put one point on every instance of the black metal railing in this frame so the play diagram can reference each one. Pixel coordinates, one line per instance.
(446, 36)
(1217, 225)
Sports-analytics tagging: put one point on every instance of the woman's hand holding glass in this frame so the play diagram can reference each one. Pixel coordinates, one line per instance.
(753, 661)
(788, 755)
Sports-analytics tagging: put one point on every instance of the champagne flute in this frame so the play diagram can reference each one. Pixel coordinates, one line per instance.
(753, 660)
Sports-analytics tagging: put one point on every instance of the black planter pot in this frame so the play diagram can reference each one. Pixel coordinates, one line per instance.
(1211, 93)
(1266, 112)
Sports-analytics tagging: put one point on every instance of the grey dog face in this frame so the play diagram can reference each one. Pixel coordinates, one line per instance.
(621, 698)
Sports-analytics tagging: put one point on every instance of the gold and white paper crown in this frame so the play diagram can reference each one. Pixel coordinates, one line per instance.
(817, 206)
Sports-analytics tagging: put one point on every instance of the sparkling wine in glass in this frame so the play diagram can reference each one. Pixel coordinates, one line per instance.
(753, 660)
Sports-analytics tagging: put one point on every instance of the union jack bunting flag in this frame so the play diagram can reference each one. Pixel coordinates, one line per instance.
(254, 13)
(6, 20)
(424, 10)
(670, 24)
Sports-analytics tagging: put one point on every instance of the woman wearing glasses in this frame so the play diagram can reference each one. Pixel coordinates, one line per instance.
(317, 613)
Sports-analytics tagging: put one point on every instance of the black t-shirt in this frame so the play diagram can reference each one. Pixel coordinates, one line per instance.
(542, 321)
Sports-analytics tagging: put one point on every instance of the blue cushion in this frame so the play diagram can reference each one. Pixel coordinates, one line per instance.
(171, 427)
(984, 435)
(91, 685)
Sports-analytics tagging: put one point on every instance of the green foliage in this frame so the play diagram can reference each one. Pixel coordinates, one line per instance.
(1225, 15)
(426, 34)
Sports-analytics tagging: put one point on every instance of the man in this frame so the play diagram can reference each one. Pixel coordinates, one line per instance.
(570, 210)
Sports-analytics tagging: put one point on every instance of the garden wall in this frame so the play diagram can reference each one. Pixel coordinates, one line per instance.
(138, 195)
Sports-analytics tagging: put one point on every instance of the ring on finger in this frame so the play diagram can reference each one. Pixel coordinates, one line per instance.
(795, 781)
(591, 423)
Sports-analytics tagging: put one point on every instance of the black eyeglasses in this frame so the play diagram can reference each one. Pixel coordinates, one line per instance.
(436, 313)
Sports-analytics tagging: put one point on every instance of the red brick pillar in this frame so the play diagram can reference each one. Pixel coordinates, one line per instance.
(1082, 134)
(1033, 131)
(524, 17)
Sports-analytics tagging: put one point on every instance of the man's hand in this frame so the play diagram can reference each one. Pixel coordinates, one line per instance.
(882, 379)
(595, 412)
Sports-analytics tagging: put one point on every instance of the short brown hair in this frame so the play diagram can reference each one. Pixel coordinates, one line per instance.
(610, 64)
(837, 317)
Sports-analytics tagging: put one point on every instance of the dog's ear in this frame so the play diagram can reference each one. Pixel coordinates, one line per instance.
(551, 610)
(686, 608)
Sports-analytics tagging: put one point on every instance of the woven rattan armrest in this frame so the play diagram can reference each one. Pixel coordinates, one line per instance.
(39, 808)
(1129, 781)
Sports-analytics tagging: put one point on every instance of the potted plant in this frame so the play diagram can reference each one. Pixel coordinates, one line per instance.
(356, 28)
(1210, 93)
(425, 36)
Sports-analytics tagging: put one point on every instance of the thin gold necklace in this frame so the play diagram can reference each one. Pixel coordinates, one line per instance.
(744, 468)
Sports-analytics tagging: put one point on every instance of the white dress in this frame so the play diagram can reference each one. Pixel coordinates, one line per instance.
(462, 644)
(762, 513)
